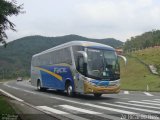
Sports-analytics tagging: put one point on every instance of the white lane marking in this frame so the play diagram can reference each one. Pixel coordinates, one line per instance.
(68, 115)
(148, 94)
(151, 101)
(29, 91)
(69, 107)
(126, 92)
(79, 109)
(51, 110)
(25, 83)
(145, 103)
(140, 105)
(157, 99)
(67, 100)
(96, 106)
(19, 88)
(110, 109)
(133, 108)
(10, 86)
(9, 95)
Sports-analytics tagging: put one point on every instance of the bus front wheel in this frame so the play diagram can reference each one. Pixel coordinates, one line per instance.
(39, 86)
(69, 90)
(97, 95)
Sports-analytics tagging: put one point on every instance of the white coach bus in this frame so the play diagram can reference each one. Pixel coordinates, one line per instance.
(77, 67)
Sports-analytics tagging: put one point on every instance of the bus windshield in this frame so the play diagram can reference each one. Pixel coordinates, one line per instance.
(102, 64)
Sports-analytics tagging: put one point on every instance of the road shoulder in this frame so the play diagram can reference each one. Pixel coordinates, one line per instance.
(23, 111)
(28, 113)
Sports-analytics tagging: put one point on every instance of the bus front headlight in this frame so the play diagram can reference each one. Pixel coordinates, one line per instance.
(93, 84)
(113, 83)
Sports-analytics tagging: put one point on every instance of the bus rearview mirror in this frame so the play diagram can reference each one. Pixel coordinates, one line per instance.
(124, 58)
(84, 54)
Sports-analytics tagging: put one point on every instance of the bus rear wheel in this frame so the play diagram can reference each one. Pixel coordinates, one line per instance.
(69, 90)
(97, 95)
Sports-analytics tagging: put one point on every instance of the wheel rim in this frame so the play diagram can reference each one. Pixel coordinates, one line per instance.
(69, 90)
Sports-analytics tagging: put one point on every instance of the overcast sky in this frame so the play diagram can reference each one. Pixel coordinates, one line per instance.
(118, 19)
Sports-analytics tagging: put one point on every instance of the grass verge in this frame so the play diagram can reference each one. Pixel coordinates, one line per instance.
(5, 107)
(149, 56)
(136, 76)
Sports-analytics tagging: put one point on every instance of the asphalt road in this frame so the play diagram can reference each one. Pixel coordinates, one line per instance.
(125, 105)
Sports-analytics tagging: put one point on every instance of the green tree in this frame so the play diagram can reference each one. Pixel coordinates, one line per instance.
(147, 39)
(8, 9)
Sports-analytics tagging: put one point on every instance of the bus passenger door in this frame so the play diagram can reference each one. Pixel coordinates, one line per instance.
(80, 83)
(81, 67)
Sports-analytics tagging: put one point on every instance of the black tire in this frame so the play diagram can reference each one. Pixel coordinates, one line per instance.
(97, 95)
(69, 90)
(39, 86)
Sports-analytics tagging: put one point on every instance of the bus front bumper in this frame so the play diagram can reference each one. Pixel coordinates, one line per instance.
(88, 89)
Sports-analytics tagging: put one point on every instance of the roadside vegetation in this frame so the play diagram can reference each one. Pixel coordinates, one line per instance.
(5, 107)
(142, 50)
(136, 76)
(140, 42)
(150, 56)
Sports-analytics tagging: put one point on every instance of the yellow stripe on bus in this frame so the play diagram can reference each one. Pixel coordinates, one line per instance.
(51, 73)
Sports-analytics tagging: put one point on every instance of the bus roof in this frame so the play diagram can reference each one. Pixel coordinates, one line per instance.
(75, 43)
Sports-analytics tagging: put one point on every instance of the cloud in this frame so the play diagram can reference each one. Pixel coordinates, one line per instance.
(118, 19)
